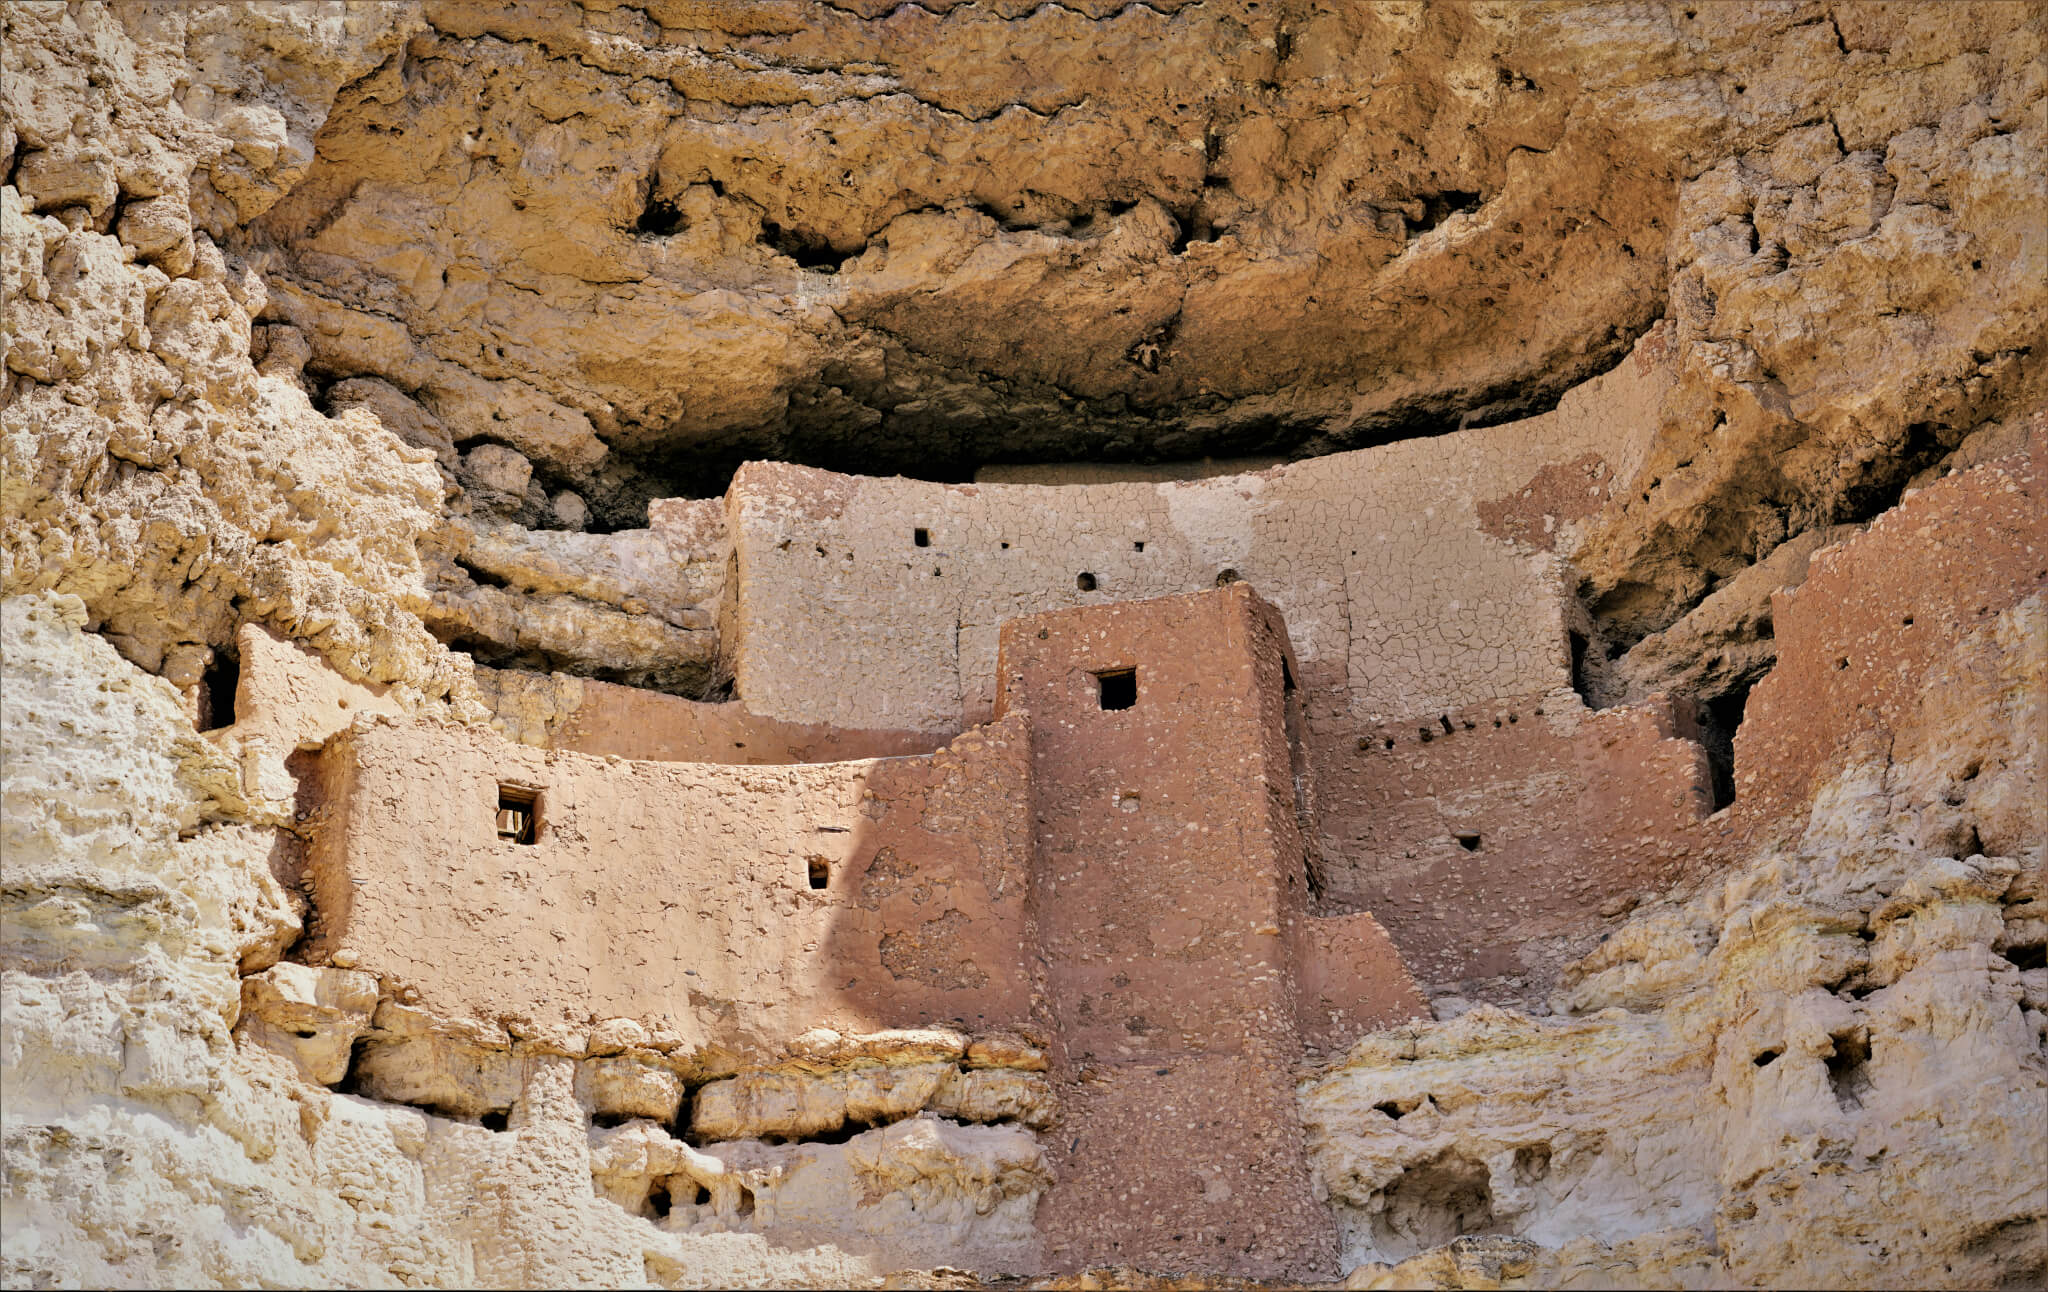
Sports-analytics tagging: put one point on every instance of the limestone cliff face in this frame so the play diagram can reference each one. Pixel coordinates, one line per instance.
(418, 333)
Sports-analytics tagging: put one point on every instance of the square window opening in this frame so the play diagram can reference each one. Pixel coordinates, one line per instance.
(518, 813)
(921, 536)
(1118, 688)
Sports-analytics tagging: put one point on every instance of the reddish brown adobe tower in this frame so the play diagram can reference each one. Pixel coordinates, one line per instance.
(1171, 892)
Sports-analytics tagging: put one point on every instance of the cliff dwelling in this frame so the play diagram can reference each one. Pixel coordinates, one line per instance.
(1091, 645)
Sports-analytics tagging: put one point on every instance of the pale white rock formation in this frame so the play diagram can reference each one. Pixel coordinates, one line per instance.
(164, 1121)
(310, 1015)
(924, 1191)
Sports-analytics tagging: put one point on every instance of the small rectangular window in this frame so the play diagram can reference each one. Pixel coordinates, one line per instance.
(1118, 689)
(921, 536)
(518, 813)
(821, 872)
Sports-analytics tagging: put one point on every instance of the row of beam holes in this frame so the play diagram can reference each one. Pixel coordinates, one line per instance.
(1425, 735)
(1084, 581)
(1469, 840)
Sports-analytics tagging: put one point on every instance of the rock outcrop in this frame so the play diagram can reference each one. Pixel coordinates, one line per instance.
(387, 362)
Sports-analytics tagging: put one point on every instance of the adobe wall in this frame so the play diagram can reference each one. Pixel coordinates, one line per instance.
(1415, 576)
(1085, 473)
(1171, 896)
(1876, 616)
(678, 895)
(1574, 814)
(1497, 850)
(629, 722)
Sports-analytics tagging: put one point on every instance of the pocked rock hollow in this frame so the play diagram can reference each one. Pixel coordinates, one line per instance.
(779, 644)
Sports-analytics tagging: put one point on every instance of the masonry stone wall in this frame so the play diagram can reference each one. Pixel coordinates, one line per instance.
(1120, 874)
(1876, 615)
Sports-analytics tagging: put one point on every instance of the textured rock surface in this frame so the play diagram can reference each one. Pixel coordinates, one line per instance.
(1734, 1085)
(351, 343)
(143, 1144)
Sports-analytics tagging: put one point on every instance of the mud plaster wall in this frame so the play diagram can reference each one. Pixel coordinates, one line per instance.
(1170, 892)
(678, 895)
(627, 722)
(1498, 842)
(1882, 610)
(1413, 576)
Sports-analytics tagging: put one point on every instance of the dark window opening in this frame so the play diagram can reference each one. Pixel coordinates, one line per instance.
(1720, 717)
(518, 814)
(746, 1203)
(1085, 581)
(217, 692)
(1138, 546)
(1118, 689)
(1224, 578)
(1467, 839)
(921, 536)
(658, 1202)
(497, 1119)
(1578, 647)
(821, 872)
(703, 1196)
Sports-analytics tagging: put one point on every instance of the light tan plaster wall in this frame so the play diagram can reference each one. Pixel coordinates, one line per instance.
(677, 894)
(1083, 473)
(629, 722)
(1398, 597)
